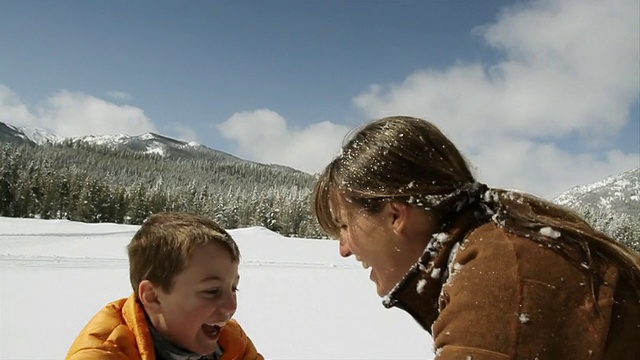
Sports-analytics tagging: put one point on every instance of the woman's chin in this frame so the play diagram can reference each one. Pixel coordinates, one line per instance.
(381, 288)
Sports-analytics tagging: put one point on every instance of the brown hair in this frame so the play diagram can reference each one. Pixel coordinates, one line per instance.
(410, 160)
(163, 245)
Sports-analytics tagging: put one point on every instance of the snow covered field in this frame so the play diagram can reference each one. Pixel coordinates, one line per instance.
(298, 298)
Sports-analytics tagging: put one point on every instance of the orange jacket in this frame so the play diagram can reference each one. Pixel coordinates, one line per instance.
(120, 331)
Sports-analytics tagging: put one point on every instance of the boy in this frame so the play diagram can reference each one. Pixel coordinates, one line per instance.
(184, 273)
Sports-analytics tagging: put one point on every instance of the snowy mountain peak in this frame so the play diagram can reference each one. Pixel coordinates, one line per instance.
(147, 136)
(610, 205)
(40, 136)
(619, 191)
(36, 135)
(109, 140)
(149, 143)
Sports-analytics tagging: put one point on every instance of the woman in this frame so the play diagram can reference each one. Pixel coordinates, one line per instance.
(490, 273)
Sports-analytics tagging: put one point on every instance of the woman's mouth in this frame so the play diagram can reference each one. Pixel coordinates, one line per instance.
(365, 264)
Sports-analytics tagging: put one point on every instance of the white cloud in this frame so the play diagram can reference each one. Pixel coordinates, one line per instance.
(74, 114)
(543, 168)
(119, 95)
(13, 111)
(184, 133)
(264, 136)
(569, 67)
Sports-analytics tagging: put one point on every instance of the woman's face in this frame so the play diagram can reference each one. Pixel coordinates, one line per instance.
(388, 242)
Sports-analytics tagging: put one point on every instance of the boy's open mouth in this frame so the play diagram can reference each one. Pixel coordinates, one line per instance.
(212, 331)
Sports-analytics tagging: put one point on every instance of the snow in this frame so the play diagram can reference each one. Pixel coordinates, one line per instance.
(109, 140)
(155, 150)
(625, 183)
(298, 298)
(550, 232)
(420, 286)
(441, 237)
(39, 136)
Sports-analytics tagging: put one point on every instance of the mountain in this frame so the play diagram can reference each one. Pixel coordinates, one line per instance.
(40, 136)
(149, 143)
(611, 205)
(618, 194)
(123, 179)
(13, 135)
(152, 143)
(26, 135)
(152, 172)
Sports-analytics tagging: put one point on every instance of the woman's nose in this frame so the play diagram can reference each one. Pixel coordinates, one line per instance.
(345, 251)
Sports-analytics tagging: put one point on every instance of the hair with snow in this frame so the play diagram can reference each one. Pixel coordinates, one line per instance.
(163, 245)
(410, 160)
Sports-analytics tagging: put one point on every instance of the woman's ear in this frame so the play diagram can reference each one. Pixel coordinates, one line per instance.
(399, 214)
(148, 295)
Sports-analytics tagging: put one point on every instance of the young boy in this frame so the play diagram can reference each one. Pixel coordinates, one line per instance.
(184, 273)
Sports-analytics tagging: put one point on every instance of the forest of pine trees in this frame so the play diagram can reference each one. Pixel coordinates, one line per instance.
(90, 183)
(622, 227)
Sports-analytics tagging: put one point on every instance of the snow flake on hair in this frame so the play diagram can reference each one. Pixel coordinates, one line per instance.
(549, 232)
(497, 219)
(426, 201)
(514, 196)
(491, 196)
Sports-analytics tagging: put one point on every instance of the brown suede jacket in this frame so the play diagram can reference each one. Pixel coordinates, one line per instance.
(500, 296)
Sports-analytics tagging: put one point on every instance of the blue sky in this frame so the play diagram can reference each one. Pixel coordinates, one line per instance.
(540, 95)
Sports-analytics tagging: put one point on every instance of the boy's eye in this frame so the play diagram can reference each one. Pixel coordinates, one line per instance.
(216, 292)
(212, 292)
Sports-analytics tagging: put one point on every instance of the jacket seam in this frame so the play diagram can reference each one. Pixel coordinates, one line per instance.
(516, 325)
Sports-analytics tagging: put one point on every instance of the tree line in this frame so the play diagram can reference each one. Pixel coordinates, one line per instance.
(622, 227)
(91, 183)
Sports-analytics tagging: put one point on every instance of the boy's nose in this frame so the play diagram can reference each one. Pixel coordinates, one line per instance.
(229, 305)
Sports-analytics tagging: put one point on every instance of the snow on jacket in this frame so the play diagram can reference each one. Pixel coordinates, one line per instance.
(120, 331)
(491, 295)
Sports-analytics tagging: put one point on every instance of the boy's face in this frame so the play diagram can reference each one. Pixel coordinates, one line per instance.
(202, 300)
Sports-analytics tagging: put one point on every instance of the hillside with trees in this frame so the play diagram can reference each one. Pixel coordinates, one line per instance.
(611, 205)
(92, 183)
(123, 179)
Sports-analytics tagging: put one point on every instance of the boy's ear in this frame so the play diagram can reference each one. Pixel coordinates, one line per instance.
(149, 297)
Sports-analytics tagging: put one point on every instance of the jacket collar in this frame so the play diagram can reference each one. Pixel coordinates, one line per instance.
(169, 351)
(418, 291)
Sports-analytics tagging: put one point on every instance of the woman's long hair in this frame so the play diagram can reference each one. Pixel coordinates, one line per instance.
(409, 160)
